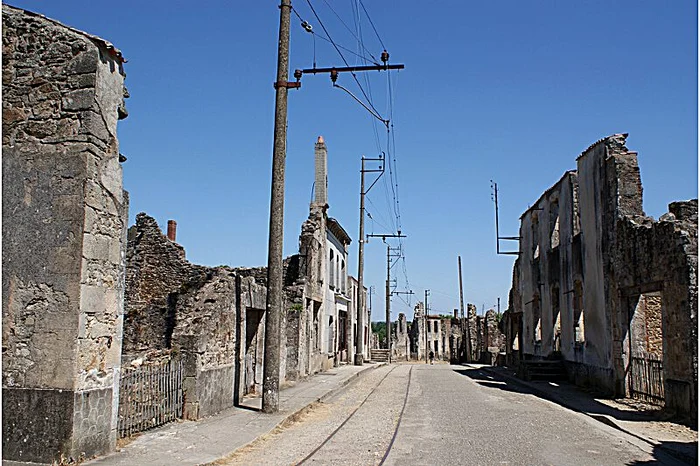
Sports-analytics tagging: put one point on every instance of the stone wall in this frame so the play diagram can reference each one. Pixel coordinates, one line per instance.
(655, 267)
(401, 347)
(490, 340)
(595, 273)
(197, 313)
(64, 218)
(156, 271)
(417, 333)
(472, 334)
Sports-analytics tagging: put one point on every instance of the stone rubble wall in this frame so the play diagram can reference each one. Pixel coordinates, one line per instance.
(656, 262)
(199, 313)
(156, 271)
(472, 333)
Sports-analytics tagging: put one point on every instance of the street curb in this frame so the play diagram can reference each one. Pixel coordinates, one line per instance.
(291, 416)
(602, 418)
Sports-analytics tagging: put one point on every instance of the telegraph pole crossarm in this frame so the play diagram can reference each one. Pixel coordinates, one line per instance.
(350, 69)
(334, 70)
(384, 236)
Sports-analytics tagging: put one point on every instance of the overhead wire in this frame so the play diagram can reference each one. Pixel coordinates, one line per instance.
(375, 61)
(314, 34)
(370, 22)
(313, 10)
(390, 183)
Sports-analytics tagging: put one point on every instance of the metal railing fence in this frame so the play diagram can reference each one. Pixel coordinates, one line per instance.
(646, 378)
(150, 396)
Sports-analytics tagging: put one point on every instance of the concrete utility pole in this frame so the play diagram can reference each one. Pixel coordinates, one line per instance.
(359, 355)
(388, 290)
(389, 255)
(427, 292)
(387, 305)
(271, 367)
(466, 334)
(270, 399)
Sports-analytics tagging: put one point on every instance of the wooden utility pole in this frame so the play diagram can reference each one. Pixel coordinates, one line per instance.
(271, 366)
(361, 313)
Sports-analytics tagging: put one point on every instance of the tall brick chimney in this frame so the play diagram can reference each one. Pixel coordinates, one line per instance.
(172, 230)
(321, 170)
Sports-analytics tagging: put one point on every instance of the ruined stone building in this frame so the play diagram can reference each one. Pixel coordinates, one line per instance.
(604, 287)
(87, 308)
(337, 298)
(213, 317)
(490, 342)
(401, 347)
(455, 339)
(64, 238)
(209, 316)
(325, 290)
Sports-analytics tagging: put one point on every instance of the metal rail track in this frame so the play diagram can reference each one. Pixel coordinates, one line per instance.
(396, 430)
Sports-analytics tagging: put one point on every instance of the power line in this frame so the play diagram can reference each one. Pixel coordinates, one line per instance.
(370, 22)
(341, 56)
(308, 28)
(351, 33)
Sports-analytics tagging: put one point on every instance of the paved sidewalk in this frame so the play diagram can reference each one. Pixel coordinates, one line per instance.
(677, 440)
(214, 437)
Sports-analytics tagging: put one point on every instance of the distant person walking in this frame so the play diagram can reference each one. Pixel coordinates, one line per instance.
(431, 355)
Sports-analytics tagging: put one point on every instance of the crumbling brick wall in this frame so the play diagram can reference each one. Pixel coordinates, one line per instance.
(64, 218)
(200, 314)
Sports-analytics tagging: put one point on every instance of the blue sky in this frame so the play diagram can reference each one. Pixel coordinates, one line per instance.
(511, 91)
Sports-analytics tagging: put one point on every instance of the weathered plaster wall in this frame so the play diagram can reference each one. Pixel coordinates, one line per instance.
(64, 214)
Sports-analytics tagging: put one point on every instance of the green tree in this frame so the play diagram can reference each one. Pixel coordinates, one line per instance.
(380, 329)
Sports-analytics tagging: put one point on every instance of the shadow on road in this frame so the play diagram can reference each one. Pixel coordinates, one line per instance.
(661, 456)
(576, 399)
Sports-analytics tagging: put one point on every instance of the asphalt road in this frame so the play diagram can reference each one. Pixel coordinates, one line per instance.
(453, 415)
